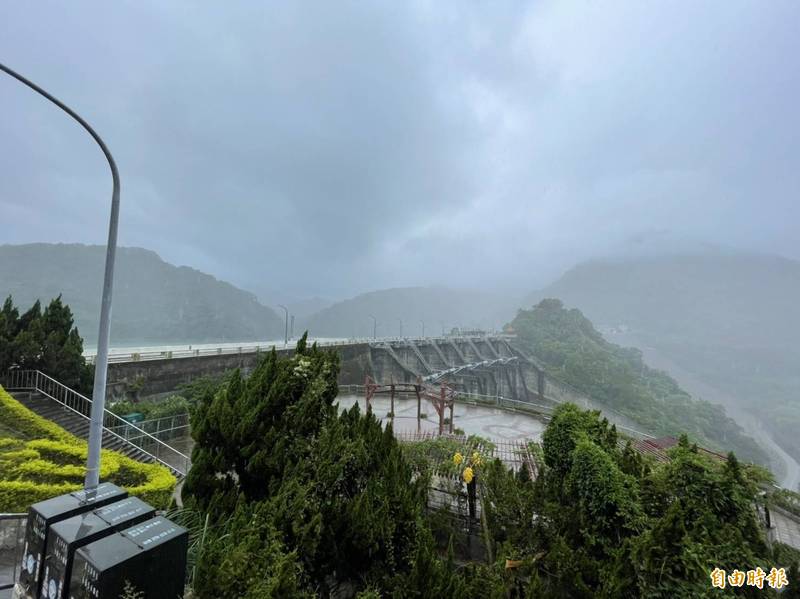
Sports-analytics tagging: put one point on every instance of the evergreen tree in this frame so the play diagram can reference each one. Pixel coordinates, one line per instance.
(793, 576)
(44, 340)
(335, 488)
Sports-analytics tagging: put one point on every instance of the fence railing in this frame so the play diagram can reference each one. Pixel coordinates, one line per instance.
(145, 442)
(164, 428)
(12, 536)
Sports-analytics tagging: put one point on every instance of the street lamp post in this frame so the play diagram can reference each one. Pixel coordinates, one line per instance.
(101, 360)
(400, 320)
(374, 326)
(285, 324)
(422, 322)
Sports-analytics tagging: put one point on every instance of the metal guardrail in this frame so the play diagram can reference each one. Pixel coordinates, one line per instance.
(249, 348)
(12, 536)
(166, 427)
(148, 444)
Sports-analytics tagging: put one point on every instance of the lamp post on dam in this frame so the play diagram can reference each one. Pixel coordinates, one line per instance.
(285, 325)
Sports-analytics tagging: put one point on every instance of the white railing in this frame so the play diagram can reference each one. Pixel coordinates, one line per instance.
(148, 444)
(172, 352)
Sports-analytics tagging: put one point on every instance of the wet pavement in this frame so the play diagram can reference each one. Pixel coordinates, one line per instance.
(492, 423)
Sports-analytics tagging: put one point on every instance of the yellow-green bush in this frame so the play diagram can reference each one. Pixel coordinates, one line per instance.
(49, 461)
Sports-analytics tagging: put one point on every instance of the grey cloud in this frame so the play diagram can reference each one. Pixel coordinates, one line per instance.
(328, 148)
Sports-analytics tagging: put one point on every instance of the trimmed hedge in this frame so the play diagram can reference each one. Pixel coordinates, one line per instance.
(49, 461)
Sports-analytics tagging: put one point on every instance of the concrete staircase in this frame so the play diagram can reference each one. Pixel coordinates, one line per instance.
(76, 424)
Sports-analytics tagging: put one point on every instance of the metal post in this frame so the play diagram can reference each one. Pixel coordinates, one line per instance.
(401, 327)
(451, 417)
(441, 411)
(285, 325)
(419, 407)
(101, 362)
(374, 325)
(423, 328)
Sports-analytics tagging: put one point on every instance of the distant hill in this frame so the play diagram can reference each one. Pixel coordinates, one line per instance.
(730, 319)
(438, 307)
(154, 302)
(572, 350)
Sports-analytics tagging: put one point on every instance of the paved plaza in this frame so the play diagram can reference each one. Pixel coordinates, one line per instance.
(491, 423)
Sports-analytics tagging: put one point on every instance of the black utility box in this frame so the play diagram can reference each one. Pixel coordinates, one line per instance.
(42, 515)
(150, 556)
(69, 535)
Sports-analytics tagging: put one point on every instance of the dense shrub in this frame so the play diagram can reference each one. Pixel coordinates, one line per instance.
(153, 408)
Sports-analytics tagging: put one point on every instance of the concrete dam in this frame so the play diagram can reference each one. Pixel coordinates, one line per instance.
(489, 366)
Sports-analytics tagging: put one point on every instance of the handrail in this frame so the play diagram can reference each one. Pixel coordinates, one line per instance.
(154, 426)
(81, 405)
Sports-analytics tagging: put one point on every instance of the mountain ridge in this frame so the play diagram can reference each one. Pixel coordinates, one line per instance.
(154, 301)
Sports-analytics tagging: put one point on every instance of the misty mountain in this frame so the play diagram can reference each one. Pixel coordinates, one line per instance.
(440, 308)
(729, 319)
(301, 306)
(573, 351)
(304, 308)
(154, 301)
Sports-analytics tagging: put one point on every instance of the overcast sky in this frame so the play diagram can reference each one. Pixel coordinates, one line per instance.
(328, 148)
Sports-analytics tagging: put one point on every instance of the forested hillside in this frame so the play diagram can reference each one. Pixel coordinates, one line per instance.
(731, 320)
(154, 302)
(574, 352)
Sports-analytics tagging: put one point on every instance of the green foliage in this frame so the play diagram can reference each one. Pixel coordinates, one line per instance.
(507, 502)
(793, 576)
(785, 499)
(129, 592)
(572, 351)
(253, 429)
(630, 528)
(562, 434)
(153, 408)
(44, 340)
(435, 455)
(331, 492)
(243, 556)
(46, 461)
(297, 500)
